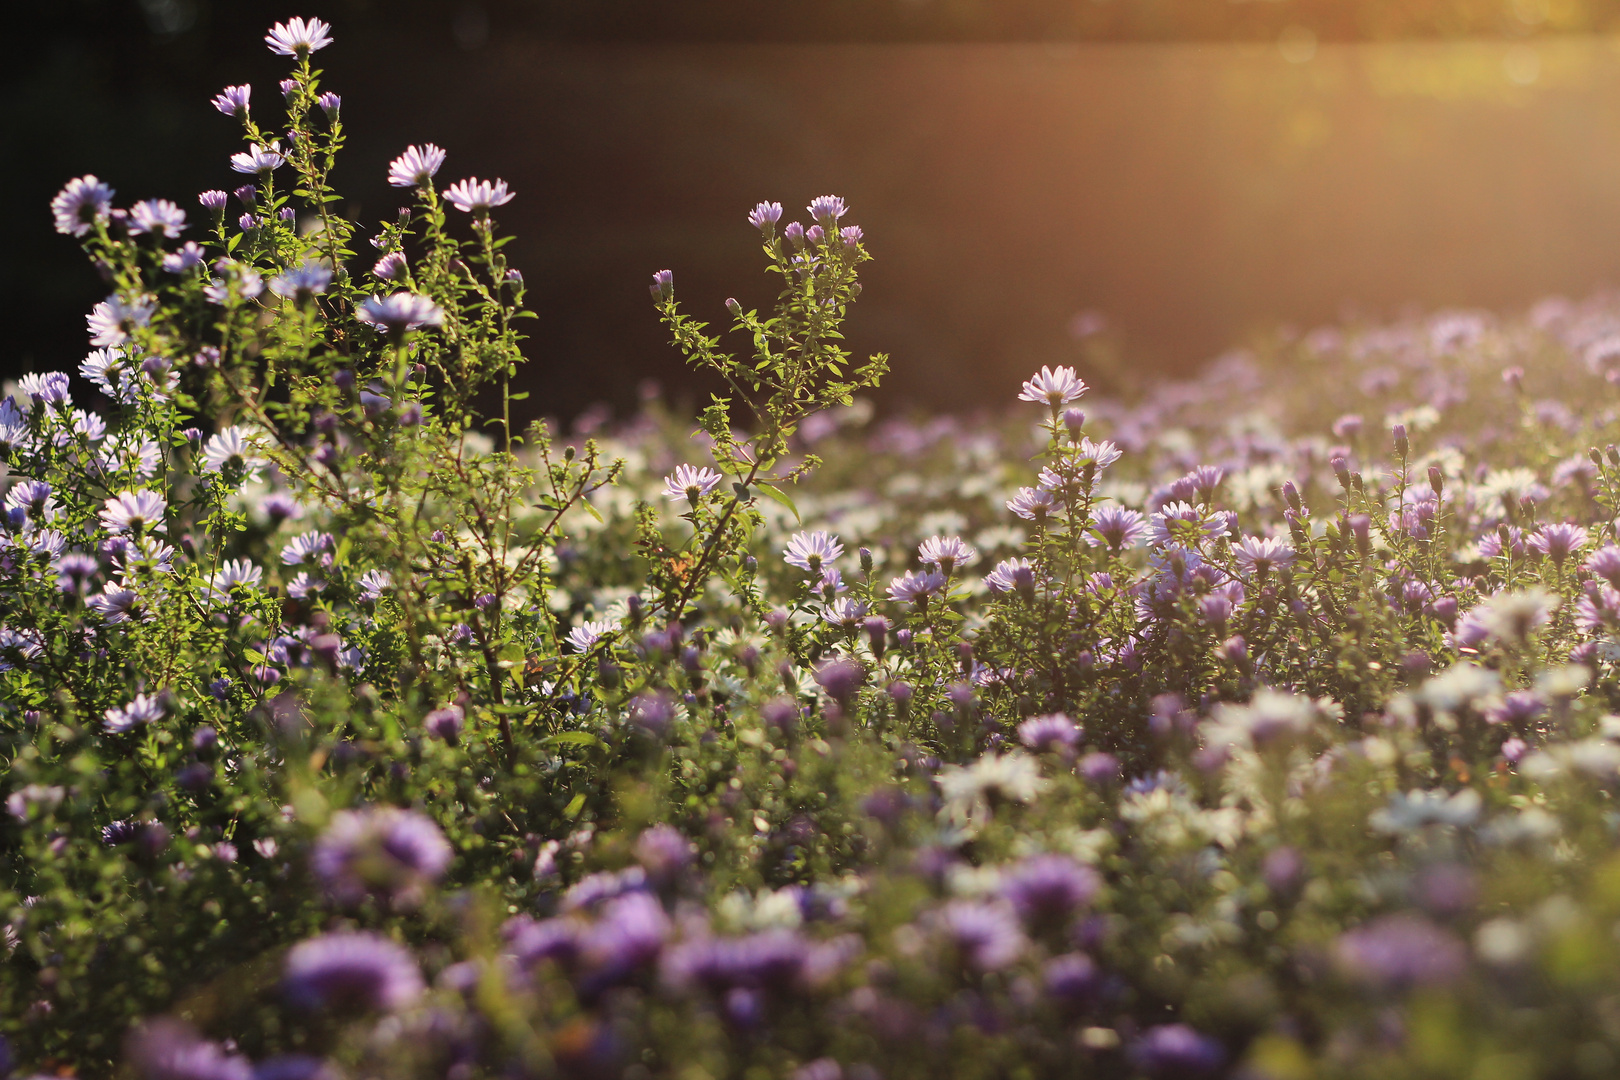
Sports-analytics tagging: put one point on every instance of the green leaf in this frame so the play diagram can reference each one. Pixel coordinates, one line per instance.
(573, 738)
(575, 805)
(779, 497)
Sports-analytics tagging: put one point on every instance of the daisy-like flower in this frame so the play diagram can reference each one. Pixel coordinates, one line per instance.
(1117, 527)
(158, 216)
(74, 570)
(1055, 732)
(475, 196)
(1511, 617)
(258, 159)
(113, 320)
(233, 100)
(390, 267)
(946, 553)
(1054, 388)
(1605, 563)
(1184, 523)
(298, 37)
(32, 499)
(1033, 504)
(1011, 575)
(115, 604)
(1260, 555)
(914, 587)
(827, 209)
(242, 281)
(189, 255)
(1598, 610)
(235, 572)
(81, 204)
(810, 551)
(373, 583)
(1558, 541)
(1103, 453)
(143, 710)
(690, 483)
(306, 548)
(213, 200)
(303, 587)
(400, 312)
(416, 166)
(845, 613)
(134, 512)
(585, 636)
(231, 448)
(765, 215)
(47, 542)
(44, 388)
(299, 283)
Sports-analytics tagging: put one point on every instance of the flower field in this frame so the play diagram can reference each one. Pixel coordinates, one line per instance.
(1266, 727)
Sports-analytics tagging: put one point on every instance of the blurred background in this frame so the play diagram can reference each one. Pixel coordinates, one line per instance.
(1128, 185)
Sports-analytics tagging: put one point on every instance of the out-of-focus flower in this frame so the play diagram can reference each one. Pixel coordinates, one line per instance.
(114, 320)
(399, 312)
(380, 851)
(259, 159)
(1176, 1050)
(1055, 732)
(986, 936)
(351, 972)
(299, 283)
(1398, 952)
(158, 216)
(144, 709)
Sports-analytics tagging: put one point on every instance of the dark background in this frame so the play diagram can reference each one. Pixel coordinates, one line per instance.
(1183, 174)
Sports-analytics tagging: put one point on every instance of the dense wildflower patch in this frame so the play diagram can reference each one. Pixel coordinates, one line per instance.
(1266, 727)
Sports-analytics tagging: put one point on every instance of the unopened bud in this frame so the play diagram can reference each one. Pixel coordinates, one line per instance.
(1402, 447)
(1437, 479)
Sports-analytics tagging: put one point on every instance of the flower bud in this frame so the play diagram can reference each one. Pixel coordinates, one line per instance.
(1437, 479)
(663, 286)
(1402, 447)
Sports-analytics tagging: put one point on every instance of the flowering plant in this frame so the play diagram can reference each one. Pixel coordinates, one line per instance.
(1211, 735)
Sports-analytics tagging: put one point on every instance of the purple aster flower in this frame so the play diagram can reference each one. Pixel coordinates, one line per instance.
(1011, 575)
(232, 448)
(134, 511)
(288, 88)
(1055, 388)
(1400, 951)
(945, 553)
(74, 572)
(629, 933)
(914, 587)
(477, 196)
(663, 852)
(585, 636)
(810, 551)
(212, 200)
(1605, 563)
(235, 572)
(1184, 523)
(112, 321)
(298, 37)
(986, 936)
(156, 216)
(1072, 977)
(351, 972)
(840, 678)
(300, 283)
(445, 723)
(416, 166)
(1597, 611)
(1517, 708)
(258, 159)
(114, 604)
(1099, 768)
(1047, 889)
(1033, 504)
(851, 235)
(1055, 733)
(380, 851)
(1117, 527)
(1259, 556)
(307, 547)
(143, 710)
(844, 612)
(400, 312)
(827, 209)
(1491, 544)
(81, 204)
(233, 100)
(663, 286)
(188, 257)
(330, 103)
(390, 267)
(652, 712)
(166, 1049)
(1558, 541)
(825, 1068)
(794, 233)
(765, 216)
(690, 482)
(1176, 1050)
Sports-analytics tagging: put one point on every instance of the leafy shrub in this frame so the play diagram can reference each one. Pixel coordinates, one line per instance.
(1179, 739)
